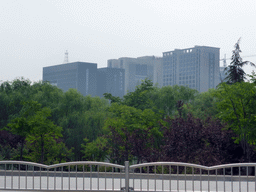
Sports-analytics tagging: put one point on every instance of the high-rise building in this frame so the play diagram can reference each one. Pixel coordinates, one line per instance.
(77, 75)
(196, 67)
(137, 69)
(110, 80)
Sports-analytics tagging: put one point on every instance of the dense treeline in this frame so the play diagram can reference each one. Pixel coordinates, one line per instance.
(41, 123)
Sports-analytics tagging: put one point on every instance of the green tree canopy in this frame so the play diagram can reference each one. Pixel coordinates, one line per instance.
(237, 107)
(43, 132)
(22, 125)
(128, 134)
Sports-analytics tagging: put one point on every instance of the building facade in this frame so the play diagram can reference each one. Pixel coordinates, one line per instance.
(137, 69)
(197, 67)
(110, 80)
(77, 75)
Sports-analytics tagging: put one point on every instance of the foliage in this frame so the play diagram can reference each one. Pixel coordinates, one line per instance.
(43, 134)
(160, 100)
(237, 107)
(112, 99)
(166, 98)
(127, 135)
(204, 105)
(253, 77)
(149, 124)
(22, 124)
(96, 150)
(193, 140)
(81, 117)
(140, 98)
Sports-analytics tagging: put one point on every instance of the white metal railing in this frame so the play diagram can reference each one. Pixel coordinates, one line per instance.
(71, 176)
(102, 176)
(177, 176)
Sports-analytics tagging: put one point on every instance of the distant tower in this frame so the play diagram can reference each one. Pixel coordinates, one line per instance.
(66, 57)
(224, 61)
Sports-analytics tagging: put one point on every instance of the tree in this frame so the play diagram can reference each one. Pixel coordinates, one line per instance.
(253, 77)
(237, 107)
(234, 71)
(48, 96)
(194, 140)
(81, 117)
(22, 125)
(204, 105)
(166, 98)
(140, 98)
(127, 135)
(112, 99)
(96, 150)
(43, 133)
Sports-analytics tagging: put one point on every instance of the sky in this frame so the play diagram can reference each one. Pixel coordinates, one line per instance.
(36, 33)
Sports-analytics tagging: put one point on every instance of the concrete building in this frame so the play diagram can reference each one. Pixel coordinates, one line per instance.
(137, 69)
(77, 75)
(110, 80)
(196, 67)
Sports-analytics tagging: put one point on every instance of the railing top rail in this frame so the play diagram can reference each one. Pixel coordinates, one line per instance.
(167, 163)
(63, 164)
(24, 163)
(86, 163)
(232, 165)
(192, 165)
(132, 166)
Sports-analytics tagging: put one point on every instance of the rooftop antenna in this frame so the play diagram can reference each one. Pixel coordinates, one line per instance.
(66, 57)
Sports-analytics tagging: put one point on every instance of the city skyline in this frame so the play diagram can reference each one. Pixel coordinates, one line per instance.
(36, 34)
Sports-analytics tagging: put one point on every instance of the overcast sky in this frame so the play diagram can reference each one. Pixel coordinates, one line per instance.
(36, 33)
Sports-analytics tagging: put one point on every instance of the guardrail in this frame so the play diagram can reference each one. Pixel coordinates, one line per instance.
(102, 176)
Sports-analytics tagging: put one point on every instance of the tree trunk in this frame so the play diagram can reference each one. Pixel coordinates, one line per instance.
(21, 148)
(42, 150)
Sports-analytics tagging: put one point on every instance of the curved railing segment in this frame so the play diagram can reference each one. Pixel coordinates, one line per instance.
(23, 163)
(193, 165)
(63, 164)
(168, 163)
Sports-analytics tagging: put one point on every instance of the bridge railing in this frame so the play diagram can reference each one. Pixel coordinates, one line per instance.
(80, 175)
(102, 176)
(177, 176)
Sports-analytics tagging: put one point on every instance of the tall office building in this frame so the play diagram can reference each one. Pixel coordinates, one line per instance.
(137, 69)
(196, 67)
(110, 80)
(77, 75)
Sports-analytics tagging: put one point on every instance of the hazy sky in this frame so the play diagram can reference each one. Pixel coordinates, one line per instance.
(36, 33)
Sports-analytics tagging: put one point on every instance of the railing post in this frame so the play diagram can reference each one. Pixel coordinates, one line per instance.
(126, 176)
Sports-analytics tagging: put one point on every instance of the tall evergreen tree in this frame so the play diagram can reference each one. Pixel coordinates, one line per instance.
(234, 71)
